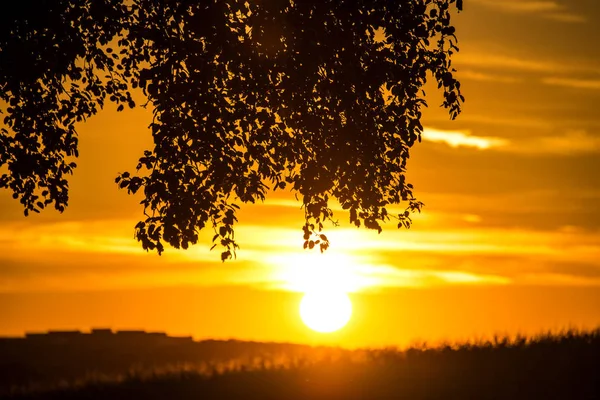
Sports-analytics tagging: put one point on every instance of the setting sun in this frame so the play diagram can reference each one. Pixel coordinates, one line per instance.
(324, 311)
(298, 200)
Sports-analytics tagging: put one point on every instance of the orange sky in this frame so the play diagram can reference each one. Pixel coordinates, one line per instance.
(509, 239)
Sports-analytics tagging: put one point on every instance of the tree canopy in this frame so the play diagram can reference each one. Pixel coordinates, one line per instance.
(321, 97)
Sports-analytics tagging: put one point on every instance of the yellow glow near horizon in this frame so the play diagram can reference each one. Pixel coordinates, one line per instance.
(325, 311)
(315, 272)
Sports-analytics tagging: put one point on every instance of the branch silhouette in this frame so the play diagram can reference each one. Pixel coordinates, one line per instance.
(320, 97)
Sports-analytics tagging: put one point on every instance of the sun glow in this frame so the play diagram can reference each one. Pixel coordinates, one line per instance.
(325, 279)
(329, 272)
(325, 311)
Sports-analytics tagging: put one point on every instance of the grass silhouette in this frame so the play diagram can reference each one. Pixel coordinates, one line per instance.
(563, 365)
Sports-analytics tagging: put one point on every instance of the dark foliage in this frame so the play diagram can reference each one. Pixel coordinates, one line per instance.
(561, 366)
(322, 97)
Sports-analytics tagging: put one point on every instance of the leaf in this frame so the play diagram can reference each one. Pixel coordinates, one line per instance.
(242, 95)
(225, 255)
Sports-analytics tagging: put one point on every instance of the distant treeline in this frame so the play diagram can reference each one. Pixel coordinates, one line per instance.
(41, 361)
(552, 366)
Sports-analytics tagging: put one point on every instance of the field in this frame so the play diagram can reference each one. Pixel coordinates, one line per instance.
(552, 366)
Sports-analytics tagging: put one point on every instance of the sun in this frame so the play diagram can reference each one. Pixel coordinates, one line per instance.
(325, 280)
(325, 311)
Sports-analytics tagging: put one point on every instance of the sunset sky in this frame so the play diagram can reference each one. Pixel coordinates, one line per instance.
(508, 241)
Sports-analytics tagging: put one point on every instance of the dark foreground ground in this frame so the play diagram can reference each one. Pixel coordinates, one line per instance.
(561, 366)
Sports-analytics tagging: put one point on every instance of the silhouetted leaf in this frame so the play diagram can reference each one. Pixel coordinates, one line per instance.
(246, 96)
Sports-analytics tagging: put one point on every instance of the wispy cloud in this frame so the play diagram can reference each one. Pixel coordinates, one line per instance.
(89, 259)
(573, 83)
(545, 9)
(504, 62)
(567, 17)
(520, 122)
(573, 142)
(461, 139)
(511, 62)
(521, 6)
(487, 77)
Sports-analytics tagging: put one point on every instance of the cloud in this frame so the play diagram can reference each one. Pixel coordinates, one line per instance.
(486, 77)
(494, 120)
(461, 139)
(575, 269)
(500, 64)
(545, 9)
(503, 62)
(472, 218)
(65, 256)
(567, 17)
(521, 6)
(593, 84)
(572, 142)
